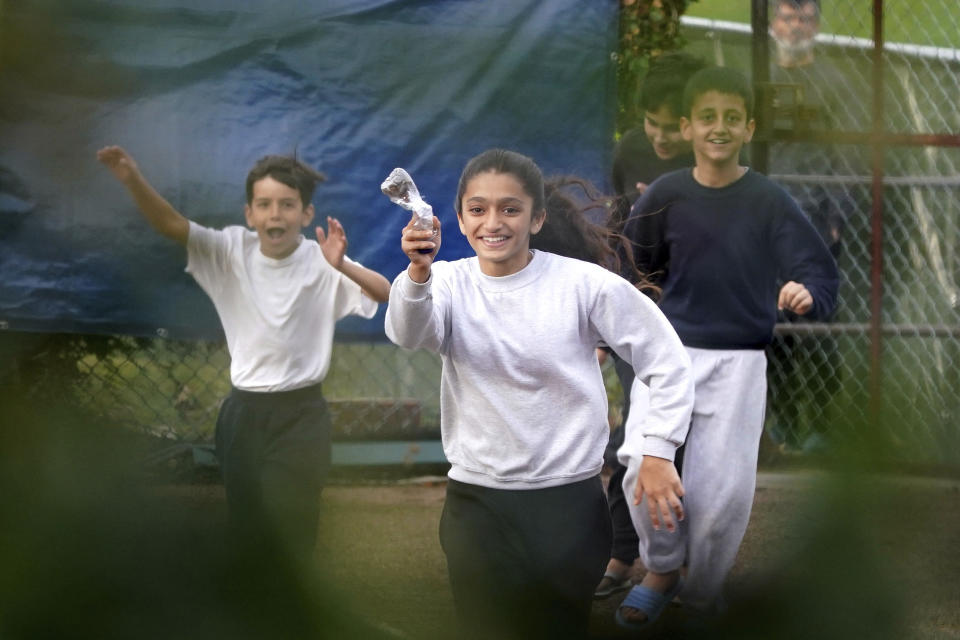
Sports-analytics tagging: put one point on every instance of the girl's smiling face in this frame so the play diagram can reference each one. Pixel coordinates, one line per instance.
(497, 218)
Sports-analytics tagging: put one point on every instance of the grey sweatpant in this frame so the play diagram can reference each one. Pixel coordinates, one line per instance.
(719, 475)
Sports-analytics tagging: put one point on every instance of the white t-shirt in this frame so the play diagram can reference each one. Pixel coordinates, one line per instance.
(522, 400)
(278, 315)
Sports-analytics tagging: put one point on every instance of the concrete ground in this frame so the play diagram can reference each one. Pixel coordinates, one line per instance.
(825, 556)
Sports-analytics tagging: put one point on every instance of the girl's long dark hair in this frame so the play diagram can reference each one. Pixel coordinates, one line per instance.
(578, 225)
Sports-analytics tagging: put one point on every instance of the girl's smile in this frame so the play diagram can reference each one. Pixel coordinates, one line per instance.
(497, 219)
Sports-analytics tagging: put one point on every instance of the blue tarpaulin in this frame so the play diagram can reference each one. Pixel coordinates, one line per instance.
(198, 91)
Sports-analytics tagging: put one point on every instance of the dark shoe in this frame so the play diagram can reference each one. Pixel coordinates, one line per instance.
(611, 584)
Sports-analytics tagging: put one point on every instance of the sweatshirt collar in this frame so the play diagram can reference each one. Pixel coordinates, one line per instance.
(522, 278)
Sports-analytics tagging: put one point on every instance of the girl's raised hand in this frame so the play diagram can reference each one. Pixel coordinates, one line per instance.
(413, 240)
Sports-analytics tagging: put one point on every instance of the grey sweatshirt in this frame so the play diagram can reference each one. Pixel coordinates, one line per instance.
(522, 401)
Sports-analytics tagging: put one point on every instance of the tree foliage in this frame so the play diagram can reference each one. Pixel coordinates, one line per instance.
(648, 28)
(46, 366)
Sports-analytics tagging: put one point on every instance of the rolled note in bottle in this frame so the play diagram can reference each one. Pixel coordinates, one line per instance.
(401, 190)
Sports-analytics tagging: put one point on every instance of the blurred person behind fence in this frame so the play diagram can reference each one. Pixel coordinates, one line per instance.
(805, 370)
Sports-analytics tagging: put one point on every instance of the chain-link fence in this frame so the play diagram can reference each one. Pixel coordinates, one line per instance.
(883, 373)
(171, 390)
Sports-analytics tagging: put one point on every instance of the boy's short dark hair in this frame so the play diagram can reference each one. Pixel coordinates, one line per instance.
(719, 79)
(665, 80)
(797, 4)
(287, 170)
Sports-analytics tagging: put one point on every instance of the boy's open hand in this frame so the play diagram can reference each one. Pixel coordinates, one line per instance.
(334, 243)
(660, 482)
(795, 297)
(412, 240)
(120, 163)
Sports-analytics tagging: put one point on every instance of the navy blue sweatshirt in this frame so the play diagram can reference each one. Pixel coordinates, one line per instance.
(719, 254)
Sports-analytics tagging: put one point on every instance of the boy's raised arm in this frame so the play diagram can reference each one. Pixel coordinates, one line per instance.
(159, 213)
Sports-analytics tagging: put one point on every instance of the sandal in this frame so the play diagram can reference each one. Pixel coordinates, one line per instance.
(648, 600)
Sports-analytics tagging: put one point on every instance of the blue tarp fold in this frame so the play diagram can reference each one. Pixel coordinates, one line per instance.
(198, 91)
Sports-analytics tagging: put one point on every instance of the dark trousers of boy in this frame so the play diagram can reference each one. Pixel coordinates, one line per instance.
(626, 544)
(524, 563)
(274, 454)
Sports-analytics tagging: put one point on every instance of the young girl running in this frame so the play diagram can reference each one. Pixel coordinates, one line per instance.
(525, 526)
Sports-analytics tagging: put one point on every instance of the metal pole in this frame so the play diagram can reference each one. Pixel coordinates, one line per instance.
(876, 268)
(759, 22)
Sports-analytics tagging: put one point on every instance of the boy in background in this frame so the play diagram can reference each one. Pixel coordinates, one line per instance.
(719, 237)
(645, 153)
(642, 155)
(278, 296)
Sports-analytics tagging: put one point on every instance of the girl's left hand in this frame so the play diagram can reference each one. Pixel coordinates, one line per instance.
(660, 483)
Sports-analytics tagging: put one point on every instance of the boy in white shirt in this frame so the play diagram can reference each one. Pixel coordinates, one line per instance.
(278, 296)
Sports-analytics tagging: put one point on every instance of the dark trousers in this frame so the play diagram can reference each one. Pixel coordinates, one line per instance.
(524, 563)
(274, 453)
(626, 544)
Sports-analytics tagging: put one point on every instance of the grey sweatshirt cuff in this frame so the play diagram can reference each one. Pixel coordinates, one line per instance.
(658, 447)
(414, 290)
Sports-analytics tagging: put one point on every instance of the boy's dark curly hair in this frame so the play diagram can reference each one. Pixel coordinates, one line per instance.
(288, 170)
(663, 85)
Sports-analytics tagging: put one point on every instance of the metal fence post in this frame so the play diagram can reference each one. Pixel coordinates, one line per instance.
(876, 268)
(761, 74)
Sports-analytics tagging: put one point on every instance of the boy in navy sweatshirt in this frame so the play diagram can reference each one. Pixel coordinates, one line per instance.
(718, 238)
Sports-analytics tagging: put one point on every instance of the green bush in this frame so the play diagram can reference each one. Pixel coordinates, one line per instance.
(648, 28)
